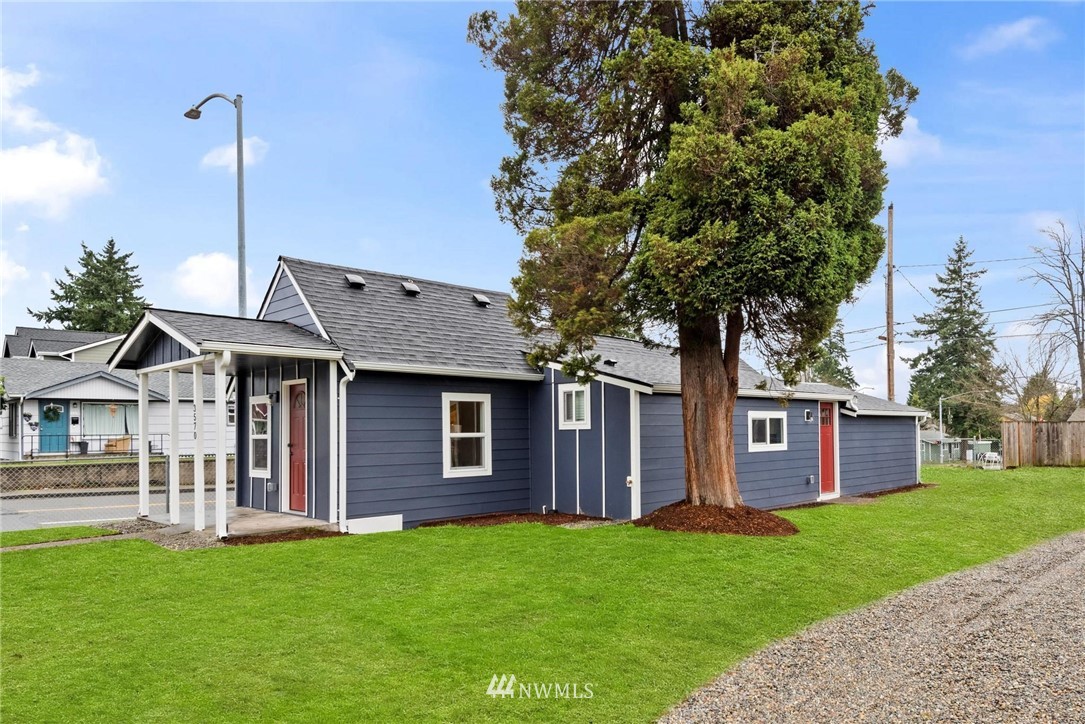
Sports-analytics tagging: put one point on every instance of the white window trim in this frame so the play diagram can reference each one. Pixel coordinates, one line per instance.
(255, 472)
(574, 387)
(446, 435)
(766, 415)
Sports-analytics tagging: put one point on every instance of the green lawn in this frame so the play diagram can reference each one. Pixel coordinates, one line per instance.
(413, 625)
(44, 535)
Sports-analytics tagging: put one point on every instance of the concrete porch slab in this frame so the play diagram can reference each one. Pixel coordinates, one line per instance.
(246, 521)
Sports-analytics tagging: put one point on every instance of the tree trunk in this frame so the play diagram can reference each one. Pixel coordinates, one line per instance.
(709, 391)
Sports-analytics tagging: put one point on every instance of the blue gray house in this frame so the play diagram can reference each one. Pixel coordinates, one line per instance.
(378, 401)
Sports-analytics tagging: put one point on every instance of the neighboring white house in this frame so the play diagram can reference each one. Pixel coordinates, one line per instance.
(56, 407)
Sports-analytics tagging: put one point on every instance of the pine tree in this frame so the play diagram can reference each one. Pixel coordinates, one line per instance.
(960, 359)
(831, 365)
(101, 297)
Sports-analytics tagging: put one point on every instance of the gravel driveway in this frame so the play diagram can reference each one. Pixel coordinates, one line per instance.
(1001, 642)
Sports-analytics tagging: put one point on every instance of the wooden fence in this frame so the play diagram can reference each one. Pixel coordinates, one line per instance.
(1043, 443)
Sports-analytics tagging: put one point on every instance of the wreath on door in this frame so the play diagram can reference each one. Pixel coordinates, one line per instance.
(52, 413)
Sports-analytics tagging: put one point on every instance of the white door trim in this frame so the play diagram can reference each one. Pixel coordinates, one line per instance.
(284, 449)
(836, 453)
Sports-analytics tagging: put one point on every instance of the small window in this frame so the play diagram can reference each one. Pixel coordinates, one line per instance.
(259, 437)
(768, 431)
(467, 441)
(231, 414)
(575, 407)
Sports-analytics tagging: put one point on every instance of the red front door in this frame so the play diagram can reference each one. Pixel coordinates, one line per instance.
(297, 448)
(828, 449)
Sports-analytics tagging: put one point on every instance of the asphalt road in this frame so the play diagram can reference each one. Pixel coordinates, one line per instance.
(51, 511)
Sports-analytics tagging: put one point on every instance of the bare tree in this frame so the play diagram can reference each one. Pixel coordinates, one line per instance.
(1061, 268)
(1038, 385)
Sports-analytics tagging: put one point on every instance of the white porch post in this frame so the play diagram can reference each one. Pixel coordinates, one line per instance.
(175, 450)
(144, 449)
(222, 359)
(198, 521)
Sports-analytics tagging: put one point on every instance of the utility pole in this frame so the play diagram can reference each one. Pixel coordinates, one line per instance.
(890, 351)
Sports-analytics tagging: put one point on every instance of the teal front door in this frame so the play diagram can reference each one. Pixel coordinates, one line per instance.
(53, 433)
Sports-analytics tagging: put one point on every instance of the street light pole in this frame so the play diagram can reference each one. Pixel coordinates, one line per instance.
(194, 114)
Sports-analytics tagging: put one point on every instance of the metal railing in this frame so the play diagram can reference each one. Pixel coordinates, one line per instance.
(54, 446)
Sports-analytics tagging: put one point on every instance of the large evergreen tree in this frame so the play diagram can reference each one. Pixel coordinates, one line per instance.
(832, 365)
(101, 297)
(692, 166)
(959, 361)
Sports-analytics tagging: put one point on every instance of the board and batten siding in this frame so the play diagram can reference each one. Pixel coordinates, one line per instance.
(579, 454)
(286, 305)
(876, 453)
(394, 449)
(769, 479)
(267, 493)
(164, 349)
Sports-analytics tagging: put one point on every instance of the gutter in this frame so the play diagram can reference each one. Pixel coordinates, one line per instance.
(348, 377)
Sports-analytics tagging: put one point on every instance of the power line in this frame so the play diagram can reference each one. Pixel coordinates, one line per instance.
(912, 321)
(982, 261)
(913, 286)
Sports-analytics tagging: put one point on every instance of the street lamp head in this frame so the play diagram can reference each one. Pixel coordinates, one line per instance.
(193, 113)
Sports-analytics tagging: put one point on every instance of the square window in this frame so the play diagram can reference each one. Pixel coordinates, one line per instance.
(767, 431)
(575, 402)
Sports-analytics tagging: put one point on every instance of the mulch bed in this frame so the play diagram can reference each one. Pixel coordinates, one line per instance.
(478, 521)
(741, 520)
(286, 535)
(894, 491)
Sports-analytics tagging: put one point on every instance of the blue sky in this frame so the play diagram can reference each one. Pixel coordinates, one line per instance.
(374, 130)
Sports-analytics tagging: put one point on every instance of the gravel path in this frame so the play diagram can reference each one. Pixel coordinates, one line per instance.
(1004, 642)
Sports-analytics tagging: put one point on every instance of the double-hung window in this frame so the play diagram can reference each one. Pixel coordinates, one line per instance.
(767, 431)
(575, 407)
(260, 437)
(467, 437)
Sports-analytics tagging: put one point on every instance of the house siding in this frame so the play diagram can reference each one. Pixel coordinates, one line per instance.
(876, 453)
(542, 420)
(100, 353)
(286, 305)
(579, 454)
(394, 449)
(266, 494)
(769, 479)
(164, 349)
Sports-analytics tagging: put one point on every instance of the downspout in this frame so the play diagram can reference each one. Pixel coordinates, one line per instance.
(348, 376)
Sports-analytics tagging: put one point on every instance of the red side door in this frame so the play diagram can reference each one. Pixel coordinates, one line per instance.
(297, 448)
(828, 449)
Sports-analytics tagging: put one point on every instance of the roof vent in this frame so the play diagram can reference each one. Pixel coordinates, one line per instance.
(411, 289)
(610, 362)
(355, 281)
(481, 299)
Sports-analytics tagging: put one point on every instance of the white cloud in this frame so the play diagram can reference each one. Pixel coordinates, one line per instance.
(50, 175)
(10, 272)
(16, 115)
(209, 279)
(46, 176)
(1031, 33)
(910, 145)
(22, 228)
(225, 156)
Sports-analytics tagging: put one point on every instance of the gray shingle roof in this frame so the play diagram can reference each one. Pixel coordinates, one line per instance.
(49, 340)
(441, 327)
(1077, 415)
(25, 376)
(866, 403)
(658, 366)
(201, 328)
(444, 327)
